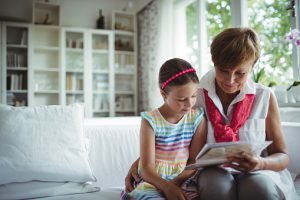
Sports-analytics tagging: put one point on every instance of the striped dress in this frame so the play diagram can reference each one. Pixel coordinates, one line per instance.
(172, 143)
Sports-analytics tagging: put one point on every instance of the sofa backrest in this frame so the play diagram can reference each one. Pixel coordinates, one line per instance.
(114, 145)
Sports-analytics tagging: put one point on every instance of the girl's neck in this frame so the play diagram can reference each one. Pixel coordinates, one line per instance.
(169, 115)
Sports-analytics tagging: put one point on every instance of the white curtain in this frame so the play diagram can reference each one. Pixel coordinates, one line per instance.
(155, 47)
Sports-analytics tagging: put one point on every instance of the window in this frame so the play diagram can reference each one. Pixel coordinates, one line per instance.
(269, 18)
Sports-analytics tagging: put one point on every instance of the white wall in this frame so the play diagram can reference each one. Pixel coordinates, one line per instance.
(76, 13)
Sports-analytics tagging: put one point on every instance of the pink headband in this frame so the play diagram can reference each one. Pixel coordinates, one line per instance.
(177, 75)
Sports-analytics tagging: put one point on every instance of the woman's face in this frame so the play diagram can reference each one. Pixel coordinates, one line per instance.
(231, 80)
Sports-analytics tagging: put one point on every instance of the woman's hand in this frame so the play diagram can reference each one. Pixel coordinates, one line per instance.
(132, 177)
(173, 192)
(246, 162)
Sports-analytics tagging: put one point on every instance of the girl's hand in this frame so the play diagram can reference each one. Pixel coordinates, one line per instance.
(246, 162)
(173, 192)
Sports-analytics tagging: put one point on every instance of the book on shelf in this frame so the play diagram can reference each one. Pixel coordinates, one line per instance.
(24, 38)
(217, 153)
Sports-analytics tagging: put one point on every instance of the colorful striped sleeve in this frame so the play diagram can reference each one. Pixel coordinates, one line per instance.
(149, 118)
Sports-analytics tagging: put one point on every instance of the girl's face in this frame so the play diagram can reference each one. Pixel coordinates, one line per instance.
(231, 80)
(181, 99)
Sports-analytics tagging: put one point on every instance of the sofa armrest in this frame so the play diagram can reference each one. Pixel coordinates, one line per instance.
(292, 135)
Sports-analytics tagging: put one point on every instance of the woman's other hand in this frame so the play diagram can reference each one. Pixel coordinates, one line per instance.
(132, 177)
(173, 192)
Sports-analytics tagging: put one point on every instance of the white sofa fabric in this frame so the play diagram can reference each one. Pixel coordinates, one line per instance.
(114, 145)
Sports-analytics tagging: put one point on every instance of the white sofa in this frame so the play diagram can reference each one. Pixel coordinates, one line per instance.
(114, 145)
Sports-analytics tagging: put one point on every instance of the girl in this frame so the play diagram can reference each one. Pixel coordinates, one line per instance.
(170, 136)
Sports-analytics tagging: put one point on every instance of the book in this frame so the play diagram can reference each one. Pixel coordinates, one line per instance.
(217, 153)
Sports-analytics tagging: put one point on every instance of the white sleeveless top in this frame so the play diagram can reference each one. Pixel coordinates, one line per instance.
(254, 127)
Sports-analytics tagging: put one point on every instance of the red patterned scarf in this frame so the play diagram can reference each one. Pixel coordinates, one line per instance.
(224, 132)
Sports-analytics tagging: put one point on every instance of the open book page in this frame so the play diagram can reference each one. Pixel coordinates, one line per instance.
(217, 153)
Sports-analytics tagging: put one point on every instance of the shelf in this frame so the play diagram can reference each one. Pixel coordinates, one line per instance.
(17, 91)
(69, 92)
(46, 92)
(100, 111)
(74, 50)
(101, 92)
(17, 68)
(74, 71)
(131, 53)
(16, 46)
(46, 48)
(46, 70)
(96, 71)
(100, 51)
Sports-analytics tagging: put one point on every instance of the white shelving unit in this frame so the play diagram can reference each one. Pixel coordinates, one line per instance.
(125, 65)
(54, 65)
(45, 67)
(14, 85)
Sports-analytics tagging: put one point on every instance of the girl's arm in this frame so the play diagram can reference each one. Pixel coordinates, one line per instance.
(198, 141)
(147, 164)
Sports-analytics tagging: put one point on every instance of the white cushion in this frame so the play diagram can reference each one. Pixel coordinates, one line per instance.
(44, 143)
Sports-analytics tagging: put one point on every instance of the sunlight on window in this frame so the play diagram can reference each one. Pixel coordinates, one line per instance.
(218, 18)
(271, 20)
(192, 34)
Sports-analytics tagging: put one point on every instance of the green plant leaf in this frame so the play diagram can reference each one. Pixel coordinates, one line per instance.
(295, 83)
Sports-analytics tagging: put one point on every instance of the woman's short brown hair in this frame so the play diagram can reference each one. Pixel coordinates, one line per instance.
(233, 46)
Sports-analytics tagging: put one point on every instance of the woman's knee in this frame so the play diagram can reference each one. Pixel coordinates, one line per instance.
(258, 187)
(216, 183)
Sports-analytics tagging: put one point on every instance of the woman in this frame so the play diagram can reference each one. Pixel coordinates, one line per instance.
(237, 109)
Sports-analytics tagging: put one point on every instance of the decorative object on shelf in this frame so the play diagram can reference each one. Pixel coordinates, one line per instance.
(45, 13)
(100, 21)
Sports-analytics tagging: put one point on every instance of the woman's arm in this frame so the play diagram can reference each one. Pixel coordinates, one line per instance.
(198, 141)
(147, 164)
(132, 176)
(277, 158)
